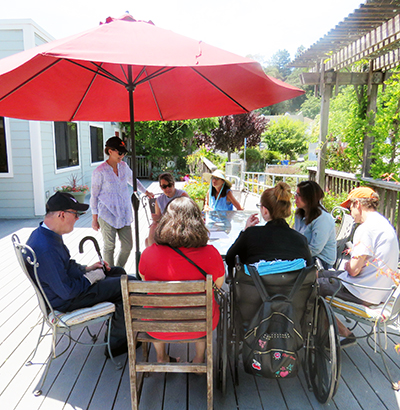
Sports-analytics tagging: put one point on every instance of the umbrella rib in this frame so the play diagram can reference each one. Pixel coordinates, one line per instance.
(29, 79)
(155, 100)
(84, 96)
(220, 89)
(155, 74)
(109, 76)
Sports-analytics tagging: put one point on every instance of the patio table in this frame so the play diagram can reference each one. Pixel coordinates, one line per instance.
(224, 227)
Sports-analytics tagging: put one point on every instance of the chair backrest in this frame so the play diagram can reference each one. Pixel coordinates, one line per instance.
(240, 195)
(149, 205)
(27, 260)
(189, 306)
(393, 306)
(345, 230)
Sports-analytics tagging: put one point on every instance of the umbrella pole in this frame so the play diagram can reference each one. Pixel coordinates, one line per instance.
(135, 197)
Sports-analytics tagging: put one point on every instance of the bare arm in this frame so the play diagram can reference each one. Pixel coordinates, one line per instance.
(231, 198)
(354, 265)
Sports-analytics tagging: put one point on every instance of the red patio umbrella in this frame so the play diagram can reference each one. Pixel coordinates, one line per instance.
(127, 70)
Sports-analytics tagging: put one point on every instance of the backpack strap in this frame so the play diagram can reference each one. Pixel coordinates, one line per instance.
(261, 288)
(258, 283)
(300, 279)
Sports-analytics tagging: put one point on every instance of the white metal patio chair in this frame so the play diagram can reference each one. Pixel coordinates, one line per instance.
(149, 205)
(380, 318)
(58, 322)
(343, 233)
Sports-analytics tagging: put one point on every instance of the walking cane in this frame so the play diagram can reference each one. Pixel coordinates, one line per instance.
(96, 245)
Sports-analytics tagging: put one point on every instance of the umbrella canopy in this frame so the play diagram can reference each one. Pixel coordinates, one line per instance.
(85, 77)
(127, 70)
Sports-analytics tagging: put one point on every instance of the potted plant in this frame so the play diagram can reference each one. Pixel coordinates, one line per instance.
(79, 191)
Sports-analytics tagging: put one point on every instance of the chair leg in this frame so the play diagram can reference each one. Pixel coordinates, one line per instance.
(41, 336)
(48, 362)
(117, 365)
(395, 385)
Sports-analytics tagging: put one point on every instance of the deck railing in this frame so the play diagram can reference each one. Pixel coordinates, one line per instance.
(258, 182)
(388, 191)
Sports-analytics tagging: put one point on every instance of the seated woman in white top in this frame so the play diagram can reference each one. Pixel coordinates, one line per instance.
(167, 184)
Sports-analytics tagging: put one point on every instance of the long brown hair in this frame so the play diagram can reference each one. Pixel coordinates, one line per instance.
(311, 194)
(182, 225)
(277, 201)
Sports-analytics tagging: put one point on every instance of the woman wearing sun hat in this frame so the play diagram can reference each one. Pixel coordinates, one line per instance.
(220, 196)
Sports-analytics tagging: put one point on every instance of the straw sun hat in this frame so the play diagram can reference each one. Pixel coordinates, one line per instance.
(217, 174)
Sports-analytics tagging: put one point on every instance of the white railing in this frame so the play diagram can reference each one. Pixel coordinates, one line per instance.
(258, 182)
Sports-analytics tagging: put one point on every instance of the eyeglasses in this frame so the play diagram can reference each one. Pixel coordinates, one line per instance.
(297, 194)
(217, 179)
(167, 185)
(258, 206)
(77, 214)
(119, 152)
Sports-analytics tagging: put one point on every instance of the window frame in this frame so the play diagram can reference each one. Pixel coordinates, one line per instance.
(97, 162)
(7, 131)
(72, 167)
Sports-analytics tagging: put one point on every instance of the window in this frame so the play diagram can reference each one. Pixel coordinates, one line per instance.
(96, 143)
(3, 148)
(66, 139)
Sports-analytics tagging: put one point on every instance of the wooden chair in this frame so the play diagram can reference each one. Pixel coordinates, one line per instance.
(61, 323)
(189, 310)
(343, 233)
(378, 318)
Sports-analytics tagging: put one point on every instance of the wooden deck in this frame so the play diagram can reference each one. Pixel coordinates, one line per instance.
(83, 379)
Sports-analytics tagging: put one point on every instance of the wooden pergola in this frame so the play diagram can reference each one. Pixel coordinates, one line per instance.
(371, 32)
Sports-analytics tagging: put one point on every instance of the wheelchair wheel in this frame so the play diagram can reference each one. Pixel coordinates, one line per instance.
(222, 344)
(323, 353)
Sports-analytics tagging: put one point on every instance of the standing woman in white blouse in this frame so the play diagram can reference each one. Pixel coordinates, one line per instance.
(110, 202)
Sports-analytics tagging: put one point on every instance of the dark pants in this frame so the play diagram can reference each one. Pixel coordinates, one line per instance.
(326, 288)
(107, 290)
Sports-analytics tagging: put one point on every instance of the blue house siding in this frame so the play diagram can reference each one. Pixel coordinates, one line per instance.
(16, 192)
(33, 175)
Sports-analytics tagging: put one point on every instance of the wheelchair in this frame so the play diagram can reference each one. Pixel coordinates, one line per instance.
(321, 355)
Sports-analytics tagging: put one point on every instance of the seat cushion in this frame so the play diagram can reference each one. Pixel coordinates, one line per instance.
(370, 312)
(83, 315)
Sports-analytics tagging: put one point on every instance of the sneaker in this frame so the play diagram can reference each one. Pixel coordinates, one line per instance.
(348, 341)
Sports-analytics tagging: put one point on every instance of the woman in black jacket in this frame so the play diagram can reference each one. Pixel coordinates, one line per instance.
(275, 241)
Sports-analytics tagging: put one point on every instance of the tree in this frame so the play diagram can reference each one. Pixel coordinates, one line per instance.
(232, 130)
(311, 106)
(286, 136)
(281, 60)
(162, 141)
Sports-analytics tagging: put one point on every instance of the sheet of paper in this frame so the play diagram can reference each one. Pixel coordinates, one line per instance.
(218, 235)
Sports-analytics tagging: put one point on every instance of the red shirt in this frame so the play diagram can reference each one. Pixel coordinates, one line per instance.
(160, 262)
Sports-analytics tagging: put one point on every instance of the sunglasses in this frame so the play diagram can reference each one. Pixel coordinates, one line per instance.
(119, 152)
(170, 185)
(77, 214)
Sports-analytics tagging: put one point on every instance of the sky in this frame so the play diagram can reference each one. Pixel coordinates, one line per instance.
(244, 27)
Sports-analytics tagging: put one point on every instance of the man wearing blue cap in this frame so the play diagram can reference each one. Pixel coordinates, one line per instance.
(67, 284)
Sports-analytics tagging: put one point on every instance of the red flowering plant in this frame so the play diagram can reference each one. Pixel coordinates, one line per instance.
(73, 185)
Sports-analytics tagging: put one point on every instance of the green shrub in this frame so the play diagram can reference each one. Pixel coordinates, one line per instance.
(331, 200)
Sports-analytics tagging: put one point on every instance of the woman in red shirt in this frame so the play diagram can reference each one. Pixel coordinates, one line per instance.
(182, 227)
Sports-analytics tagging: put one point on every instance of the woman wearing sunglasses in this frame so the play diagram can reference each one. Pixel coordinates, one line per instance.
(110, 201)
(167, 184)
